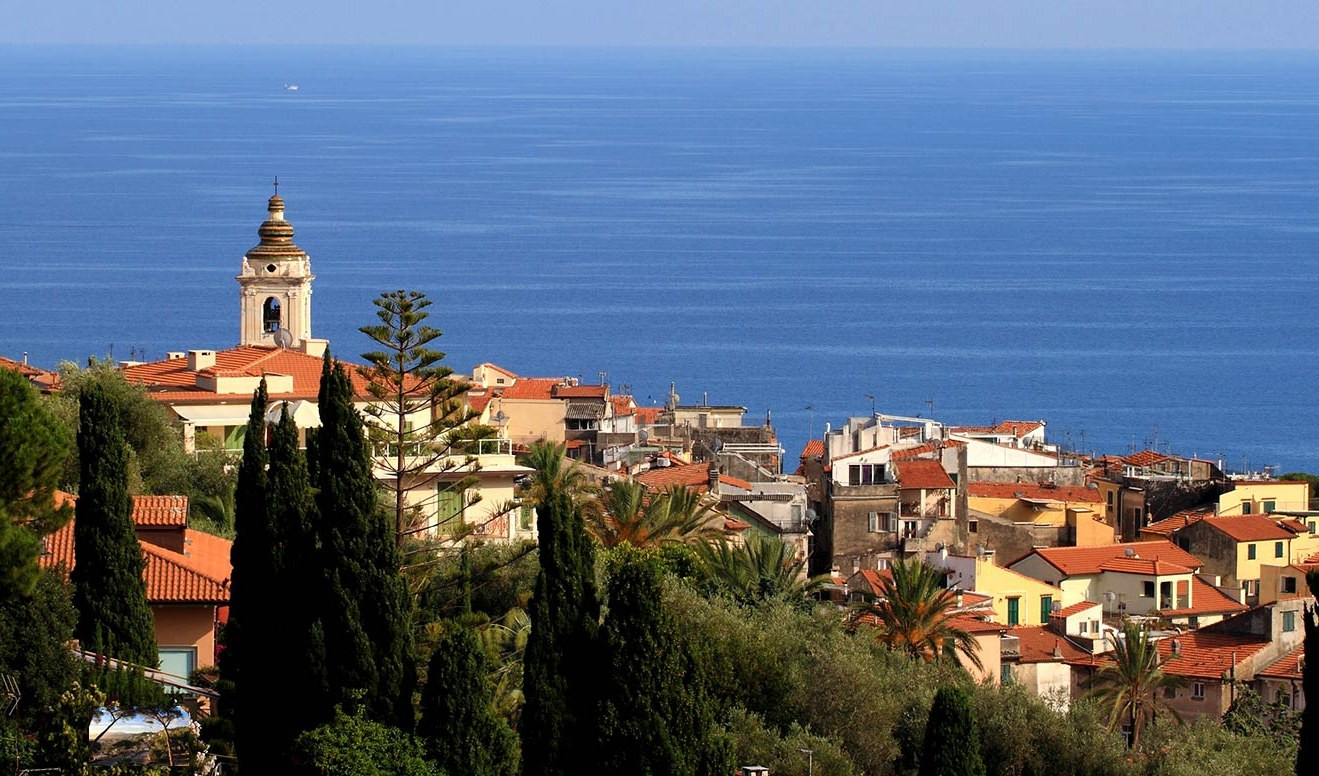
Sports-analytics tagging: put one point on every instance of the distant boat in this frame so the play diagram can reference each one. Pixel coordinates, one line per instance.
(290, 87)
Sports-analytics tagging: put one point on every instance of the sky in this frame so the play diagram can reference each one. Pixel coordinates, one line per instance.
(1008, 24)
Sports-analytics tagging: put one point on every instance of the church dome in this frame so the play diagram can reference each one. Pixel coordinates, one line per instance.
(276, 236)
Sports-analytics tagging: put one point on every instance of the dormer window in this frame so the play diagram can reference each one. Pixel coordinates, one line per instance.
(270, 315)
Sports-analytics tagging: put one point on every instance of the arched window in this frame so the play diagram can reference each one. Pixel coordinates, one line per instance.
(270, 315)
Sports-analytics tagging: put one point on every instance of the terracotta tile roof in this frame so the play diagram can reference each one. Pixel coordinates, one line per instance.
(647, 416)
(171, 380)
(579, 391)
(1018, 428)
(859, 452)
(976, 626)
(42, 379)
(919, 451)
(1143, 566)
(478, 401)
(1089, 560)
(1039, 644)
(813, 448)
(920, 473)
(1206, 599)
(1248, 528)
(1145, 458)
(693, 475)
(1294, 525)
(1068, 611)
(1207, 655)
(541, 388)
(172, 578)
(160, 511)
(1286, 667)
(733, 524)
(874, 578)
(1068, 493)
(623, 405)
(1169, 525)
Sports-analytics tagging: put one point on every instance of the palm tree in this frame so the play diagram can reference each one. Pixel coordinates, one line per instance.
(1131, 684)
(912, 613)
(554, 473)
(761, 569)
(626, 516)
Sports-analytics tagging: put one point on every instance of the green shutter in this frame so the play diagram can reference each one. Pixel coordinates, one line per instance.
(233, 437)
(1046, 608)
(448, 506)
(1014, 611)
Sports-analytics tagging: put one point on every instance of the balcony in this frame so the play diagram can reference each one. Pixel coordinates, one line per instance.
(932, 511)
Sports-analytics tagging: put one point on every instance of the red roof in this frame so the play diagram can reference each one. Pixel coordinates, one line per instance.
(42, 379)
(1207, 655)
(1169, 525)
(1090, 560)
(692, 475)
(1018, 428)
(479, 401)
(171, 380)
(920, 473)
(975, 625)
(1143, 566)
(1145, 458)
(647, 416)
(920, 451)
(1294, 525)
(623, 405)
(813, 448)
(160, 511)
(579, 391)
(1206, 599)
(1248, 528)
(541, 388)
(1286, 667)
(1039, 644)
(1068, 611)
(1067, 493)
(859, 452)
(200, 577)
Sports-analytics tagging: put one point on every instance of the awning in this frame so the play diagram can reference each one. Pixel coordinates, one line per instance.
(305, 413)
(213, 414)
(1040, 502)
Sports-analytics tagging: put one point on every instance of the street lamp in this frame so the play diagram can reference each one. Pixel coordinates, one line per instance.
(810, 761)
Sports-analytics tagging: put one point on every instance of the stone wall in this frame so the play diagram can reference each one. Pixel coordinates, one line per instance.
(1059, 475)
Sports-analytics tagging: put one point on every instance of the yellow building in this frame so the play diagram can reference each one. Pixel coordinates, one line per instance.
(1235, 548)
(1260, 497)
(1017, 599)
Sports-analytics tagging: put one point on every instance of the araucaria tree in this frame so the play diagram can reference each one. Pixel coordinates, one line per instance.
(362, 600)
(414, 407)
(108, 590)
(459, 726)
(952, 741)
(560, 662)
(650, 723)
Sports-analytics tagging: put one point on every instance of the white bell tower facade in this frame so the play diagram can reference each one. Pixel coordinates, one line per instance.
(274, 286)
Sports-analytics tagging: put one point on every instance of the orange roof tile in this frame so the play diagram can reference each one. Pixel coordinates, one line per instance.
(479, 401)
(1018, 428)
(813, 448)
(1067, 493)
(920, 473)
(623, 405)
(160, 511)
(171, 380)
(1089, 560)
(42, 379)
(579, 391)
(1039, 644)
(1207, 655)
(1248, 528)
(171, 578)
(1170, 525)
(859, 452)
(1294, 525)
(693, 475)
(1286, 667)
(647, 416)
(1068, 611)
(1144, 566)
(540, 388)
(1205, 599)
(1145, 458)
(975, 625)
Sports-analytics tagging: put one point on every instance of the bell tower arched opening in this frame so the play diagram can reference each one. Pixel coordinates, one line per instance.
(270, 319)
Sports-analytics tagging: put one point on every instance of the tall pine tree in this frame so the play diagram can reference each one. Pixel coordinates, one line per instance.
(559, 664)
(458, 723)
(108, 590)
(364, 604)
(952, 740)
(243, 663)
(649, 723)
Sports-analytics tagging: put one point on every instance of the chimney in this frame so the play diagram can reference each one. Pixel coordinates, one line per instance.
(25, 358)
(713, 478)
(200, 359)
(1176, 647)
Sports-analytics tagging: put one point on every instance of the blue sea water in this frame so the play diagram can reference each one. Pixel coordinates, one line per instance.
(1122, 244)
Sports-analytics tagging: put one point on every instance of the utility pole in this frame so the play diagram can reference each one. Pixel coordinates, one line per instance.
(810, 761)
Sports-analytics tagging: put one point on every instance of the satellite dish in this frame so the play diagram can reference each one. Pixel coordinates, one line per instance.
(716, 445)
(644, 436)
(283, 337)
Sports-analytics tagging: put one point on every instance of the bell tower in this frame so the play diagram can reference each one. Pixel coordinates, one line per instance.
(274, 286)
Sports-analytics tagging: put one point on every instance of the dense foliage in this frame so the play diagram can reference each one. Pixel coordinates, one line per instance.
(952, 740)
(353, 745)
(459, 725)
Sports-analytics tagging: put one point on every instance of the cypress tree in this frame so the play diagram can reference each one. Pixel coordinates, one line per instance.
(952, 740)
(458, 723)
(649, 723)
(364, 606)
(559, 660)
(108, 590)
(245, 686)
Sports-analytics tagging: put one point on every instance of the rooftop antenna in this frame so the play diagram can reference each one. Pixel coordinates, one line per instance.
(810, 427)
(871, 397)
(277, 185)
(930, 403)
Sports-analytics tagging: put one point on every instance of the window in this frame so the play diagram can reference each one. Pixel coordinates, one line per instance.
(873, 522)
(233, 437)
(1198, 691)
(1314, 526)
(1014, 611)
(1289, 584)
(448, 509)
(1165, 595)
(911, 529)
(1085, 626)
(1250, 552)
(1284, 698)
(1269, 506)
(1277, 549)
(178, 661)
(1170, 692)
(973, 526)
(1247, 507)
(1194, 622)
(270, 315)
(1046, 608)
(865, 474)
(1147, 590)
(1251, 587)
(1005, 674)
(1110, 499)
(1288, 622)
(499, 381)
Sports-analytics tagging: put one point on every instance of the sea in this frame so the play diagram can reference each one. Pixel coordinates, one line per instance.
(1120, 243)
